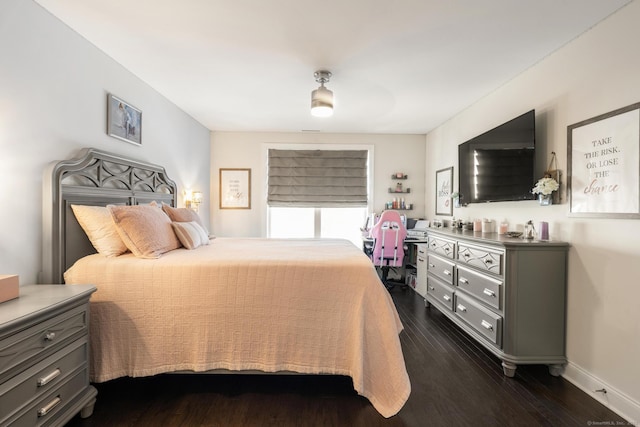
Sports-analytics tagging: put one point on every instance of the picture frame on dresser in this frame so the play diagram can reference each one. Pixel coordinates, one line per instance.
(603, 165)
(444, 188)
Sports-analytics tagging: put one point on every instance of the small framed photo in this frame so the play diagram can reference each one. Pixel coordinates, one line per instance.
(235, 188)
(124, 121)
(444, 181)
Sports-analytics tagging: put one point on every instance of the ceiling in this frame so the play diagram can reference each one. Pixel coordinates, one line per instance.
(402, 66)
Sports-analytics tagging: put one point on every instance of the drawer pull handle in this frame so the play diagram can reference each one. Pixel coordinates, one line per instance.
(489, 292)
(463, 280)
(420, 260)
(447, 273)
(431, 288)
(49, 406)
(432, 266)
(487, 325)
(462, 308)
(447, 249)
(447, 298)
(466, 255)
(50, 336)
(48, 378)
(488, 261)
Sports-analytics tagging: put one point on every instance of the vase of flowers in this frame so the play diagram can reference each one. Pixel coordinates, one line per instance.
(544, 189)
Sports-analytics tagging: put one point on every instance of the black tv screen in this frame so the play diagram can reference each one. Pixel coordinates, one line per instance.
(498, 165)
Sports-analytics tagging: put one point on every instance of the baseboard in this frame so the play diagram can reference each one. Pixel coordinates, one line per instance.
(613, 399)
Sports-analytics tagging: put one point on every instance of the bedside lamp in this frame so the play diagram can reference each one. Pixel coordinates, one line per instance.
(192, 199)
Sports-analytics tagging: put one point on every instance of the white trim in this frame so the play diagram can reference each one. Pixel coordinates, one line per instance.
(613, 399)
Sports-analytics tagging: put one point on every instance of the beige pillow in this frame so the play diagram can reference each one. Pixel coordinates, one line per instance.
(146, 230)
(183, 215)
(190, 234)
(97, 223)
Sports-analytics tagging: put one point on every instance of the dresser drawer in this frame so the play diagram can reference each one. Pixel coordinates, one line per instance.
(42, 377)
(441, 268)
(442, 246)
(47, 335)
(440, 292)
(483, 320)
(480, 257)
(45, 409)
(485, 288)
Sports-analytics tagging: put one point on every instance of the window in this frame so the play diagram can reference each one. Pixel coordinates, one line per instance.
(342, 223)
(318, 193)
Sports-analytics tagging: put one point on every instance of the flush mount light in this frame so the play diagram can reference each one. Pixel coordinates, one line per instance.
(322, 98)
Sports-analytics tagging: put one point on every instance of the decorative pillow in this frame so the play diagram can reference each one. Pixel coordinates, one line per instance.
(190, 234)
(146, 230)
(183, 215)
(97, 223)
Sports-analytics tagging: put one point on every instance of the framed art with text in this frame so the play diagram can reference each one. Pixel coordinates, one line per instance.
(235, 188)
(444, 182)
(603, 170)
(124, 121)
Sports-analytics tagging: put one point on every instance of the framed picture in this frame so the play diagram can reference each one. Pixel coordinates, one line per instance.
(124, 121)
(444, 182)
(235, 188)
(603, 171)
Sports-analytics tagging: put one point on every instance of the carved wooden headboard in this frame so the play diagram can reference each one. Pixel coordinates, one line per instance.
(95, 178)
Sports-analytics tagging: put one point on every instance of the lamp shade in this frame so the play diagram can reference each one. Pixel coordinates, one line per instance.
(321, 102)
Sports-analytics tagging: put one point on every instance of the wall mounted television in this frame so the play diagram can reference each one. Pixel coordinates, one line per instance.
(498, 165)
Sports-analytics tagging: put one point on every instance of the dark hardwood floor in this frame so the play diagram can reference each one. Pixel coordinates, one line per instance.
(455, 382)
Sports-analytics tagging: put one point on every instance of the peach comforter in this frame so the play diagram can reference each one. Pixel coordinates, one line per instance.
(308, 306)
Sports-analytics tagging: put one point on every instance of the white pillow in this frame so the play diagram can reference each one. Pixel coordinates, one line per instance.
(191, 234)
(97, 223)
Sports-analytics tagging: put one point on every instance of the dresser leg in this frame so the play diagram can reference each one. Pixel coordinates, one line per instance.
(509, 369)
(426, 303)
(87, 411)
(556, 370)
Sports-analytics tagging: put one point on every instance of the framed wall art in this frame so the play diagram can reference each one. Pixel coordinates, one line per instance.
(235, 188)
(444, 182)
(603, 171)
(124, 121)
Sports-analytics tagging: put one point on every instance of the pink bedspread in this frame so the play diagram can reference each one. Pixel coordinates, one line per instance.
(308, 306)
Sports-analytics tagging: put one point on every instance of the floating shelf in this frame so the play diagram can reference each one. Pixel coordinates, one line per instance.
(405, 191)
(394, 176)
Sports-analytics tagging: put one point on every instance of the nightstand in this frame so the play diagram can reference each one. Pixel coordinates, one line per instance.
(44, 353)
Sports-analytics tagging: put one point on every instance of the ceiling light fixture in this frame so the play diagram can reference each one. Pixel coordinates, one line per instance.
(322, 98)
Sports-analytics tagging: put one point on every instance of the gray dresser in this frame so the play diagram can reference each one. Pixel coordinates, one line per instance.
(44, 351)
(507, 293)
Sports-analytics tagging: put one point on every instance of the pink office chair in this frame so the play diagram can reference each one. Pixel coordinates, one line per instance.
(388, 243)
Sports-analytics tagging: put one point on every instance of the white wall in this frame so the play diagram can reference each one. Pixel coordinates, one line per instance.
(596, 73)
(392, 153)
(53, 96)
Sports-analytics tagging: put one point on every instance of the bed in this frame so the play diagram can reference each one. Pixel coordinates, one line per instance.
(308, 306)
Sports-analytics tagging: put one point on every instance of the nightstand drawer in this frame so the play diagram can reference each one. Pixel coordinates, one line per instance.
(33, 341)
(39, 379)
(441, 268)
(480, 257)
(481, 319)
(483, 287)
(46, 408)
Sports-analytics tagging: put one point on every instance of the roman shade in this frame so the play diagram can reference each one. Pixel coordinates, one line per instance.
(317, 178)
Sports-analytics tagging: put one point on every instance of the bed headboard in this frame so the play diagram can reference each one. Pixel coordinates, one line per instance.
(94, 178)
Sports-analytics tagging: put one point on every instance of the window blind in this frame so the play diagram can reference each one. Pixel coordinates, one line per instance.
(317, 178)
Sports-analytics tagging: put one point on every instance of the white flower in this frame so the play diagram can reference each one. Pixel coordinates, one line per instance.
(545, 186)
